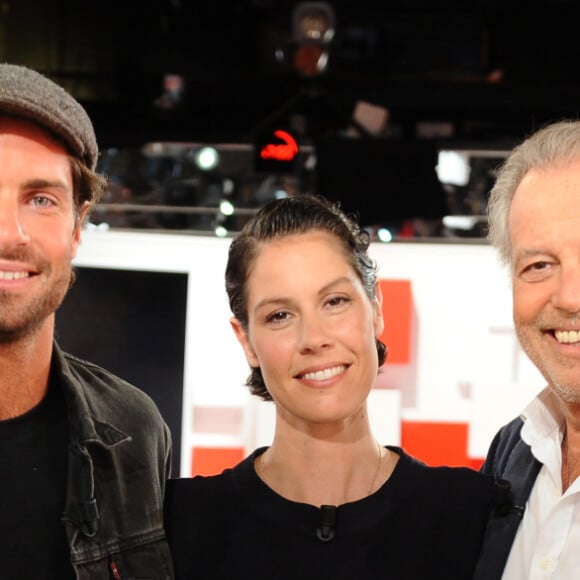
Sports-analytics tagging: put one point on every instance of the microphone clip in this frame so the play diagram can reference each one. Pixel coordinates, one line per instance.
(325, 532)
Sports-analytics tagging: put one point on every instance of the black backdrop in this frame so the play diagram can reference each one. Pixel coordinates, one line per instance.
(133, 324)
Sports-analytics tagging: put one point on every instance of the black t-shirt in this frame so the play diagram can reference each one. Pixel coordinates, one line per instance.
(33, 459)
(425, 523)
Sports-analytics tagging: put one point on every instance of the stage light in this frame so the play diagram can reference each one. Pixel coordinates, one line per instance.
(220, 231)
(207, 158)
(453, 168)
(384, 235)
(313, 30)
(228, 186)
(462, 222)
(227, 207)
(173, 90)
(313, 22)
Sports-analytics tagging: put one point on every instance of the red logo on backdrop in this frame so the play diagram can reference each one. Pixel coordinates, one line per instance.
(285, 151)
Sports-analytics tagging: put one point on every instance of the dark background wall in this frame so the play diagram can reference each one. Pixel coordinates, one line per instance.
(493, 69)
(132, 323)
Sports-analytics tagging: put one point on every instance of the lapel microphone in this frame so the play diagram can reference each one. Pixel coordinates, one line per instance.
(325, 531)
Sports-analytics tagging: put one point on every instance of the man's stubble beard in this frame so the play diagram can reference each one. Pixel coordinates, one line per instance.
(33, 315)
(568, 392)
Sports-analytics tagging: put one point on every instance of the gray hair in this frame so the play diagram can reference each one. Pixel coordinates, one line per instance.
(555, 145)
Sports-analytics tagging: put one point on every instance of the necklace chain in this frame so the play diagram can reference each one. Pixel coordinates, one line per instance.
(381, 454)
(374, 479)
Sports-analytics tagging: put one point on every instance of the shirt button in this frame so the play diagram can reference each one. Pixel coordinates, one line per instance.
(546, 563)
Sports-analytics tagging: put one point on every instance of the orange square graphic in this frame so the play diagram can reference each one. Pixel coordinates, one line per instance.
(213, 460)
(398, 315)
(436, 443)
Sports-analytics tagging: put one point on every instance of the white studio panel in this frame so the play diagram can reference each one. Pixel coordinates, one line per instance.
(259, 423)
(384, 408)
(463, 337)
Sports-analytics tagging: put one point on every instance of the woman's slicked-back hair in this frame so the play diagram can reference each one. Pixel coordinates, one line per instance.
(297, 214)
(555, 145)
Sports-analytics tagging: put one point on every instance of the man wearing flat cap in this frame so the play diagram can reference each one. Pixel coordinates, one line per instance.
(84, 456)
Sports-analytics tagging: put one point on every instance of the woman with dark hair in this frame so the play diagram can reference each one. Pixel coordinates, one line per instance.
(325, 500)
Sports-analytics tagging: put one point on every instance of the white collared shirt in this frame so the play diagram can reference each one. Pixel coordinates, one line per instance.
(547, 543)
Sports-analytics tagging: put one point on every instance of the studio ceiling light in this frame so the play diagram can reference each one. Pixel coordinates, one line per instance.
(313, 25)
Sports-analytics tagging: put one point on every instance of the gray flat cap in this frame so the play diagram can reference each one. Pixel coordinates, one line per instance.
(30, 95)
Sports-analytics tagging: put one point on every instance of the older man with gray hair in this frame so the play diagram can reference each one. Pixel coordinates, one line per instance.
(534, 218)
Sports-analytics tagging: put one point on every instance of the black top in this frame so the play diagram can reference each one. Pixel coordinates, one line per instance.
(425, 523)
(33, 452)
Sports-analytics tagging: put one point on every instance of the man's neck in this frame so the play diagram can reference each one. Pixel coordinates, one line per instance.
(24, 372)
(570, 444)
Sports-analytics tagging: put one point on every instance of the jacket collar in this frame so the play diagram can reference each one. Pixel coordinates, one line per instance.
(88, 425)
(87, 414)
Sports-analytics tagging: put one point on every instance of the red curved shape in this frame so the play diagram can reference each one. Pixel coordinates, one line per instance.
(285, 151)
